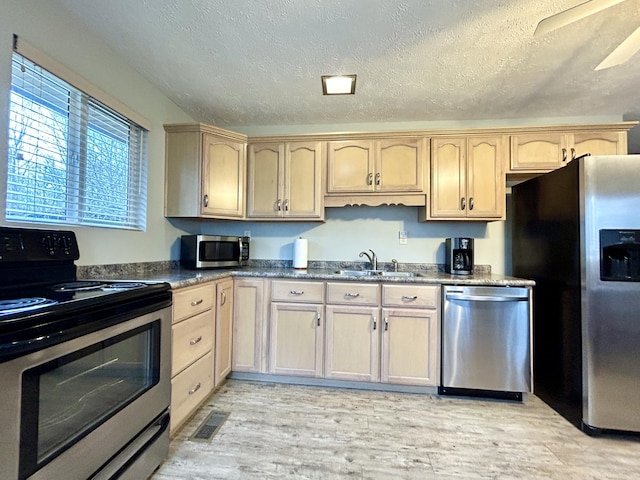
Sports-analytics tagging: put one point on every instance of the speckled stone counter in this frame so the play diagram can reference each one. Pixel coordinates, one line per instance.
(178, 277)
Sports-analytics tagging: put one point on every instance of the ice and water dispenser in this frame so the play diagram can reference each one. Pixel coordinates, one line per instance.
(620, 255)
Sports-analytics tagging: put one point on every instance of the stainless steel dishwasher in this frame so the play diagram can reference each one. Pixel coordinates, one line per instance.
(486, 341)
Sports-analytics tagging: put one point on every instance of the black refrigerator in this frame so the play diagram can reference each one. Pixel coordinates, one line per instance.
(576, 232)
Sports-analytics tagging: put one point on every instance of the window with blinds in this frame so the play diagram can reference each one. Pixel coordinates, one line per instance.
(72, 159)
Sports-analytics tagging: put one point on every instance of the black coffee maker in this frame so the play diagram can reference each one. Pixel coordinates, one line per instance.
(459, 256)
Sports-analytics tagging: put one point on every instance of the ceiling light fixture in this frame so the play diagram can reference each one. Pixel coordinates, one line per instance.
(338, 84)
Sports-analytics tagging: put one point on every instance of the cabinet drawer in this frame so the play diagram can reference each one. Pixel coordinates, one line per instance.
(190, 388)
(406, 295)
(190, 301)
(353, 293)
(305, 292)
(192, 338)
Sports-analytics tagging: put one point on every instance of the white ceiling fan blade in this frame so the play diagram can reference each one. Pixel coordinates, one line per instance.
(623, 52)
(573, 15)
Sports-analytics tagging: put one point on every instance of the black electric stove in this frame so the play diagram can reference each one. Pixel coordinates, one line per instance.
(41, 299)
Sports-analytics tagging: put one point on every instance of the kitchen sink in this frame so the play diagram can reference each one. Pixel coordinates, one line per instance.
(373, 273)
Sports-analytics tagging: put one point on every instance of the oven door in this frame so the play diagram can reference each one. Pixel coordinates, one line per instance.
(68, 409)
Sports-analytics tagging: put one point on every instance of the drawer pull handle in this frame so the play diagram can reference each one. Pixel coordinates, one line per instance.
(374, 322)
(196, 340)
(409, 297)
(351, 295)
(386, 324)
(195, 389)
(195, 303)
(223, 298)
(296, 292)
(318, 318)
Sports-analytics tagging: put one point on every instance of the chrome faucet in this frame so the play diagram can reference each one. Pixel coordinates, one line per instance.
(373, 258)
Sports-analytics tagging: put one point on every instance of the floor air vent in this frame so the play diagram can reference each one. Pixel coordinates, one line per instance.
(209, 427)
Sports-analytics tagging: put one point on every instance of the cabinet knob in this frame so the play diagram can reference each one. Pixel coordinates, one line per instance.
(374, 322)
(279, 205)
(318, 318)
(410, 297)
(386, 324)
(205, 200)
(370, 179)
(296, 292)
(195, 303)
(463, 203)
(378, 178)
(564, 154)
(351, 295)
(471, 203)
(196, 340)
(573, 154)
(286, 204)
(223, 298)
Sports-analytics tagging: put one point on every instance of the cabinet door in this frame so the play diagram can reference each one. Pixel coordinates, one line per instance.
(410, 346)
(224, 311)
(539, 152)
(352, 343)
(599, 143)
(448, 178)
(249, 332)
(295, 346)
(486, 182)
(303, 181)
(350, 167)
(223, 177)
(400, 165)
(265, 167)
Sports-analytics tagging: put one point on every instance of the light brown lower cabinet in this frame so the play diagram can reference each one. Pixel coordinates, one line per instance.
(352, 338)
(193, 339)
(224, 327)
(250, 312)
(410, 347)
(296, 333)
(391, 345)
(351, 331)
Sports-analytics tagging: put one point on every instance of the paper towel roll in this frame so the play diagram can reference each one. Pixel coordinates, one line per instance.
(300, 253)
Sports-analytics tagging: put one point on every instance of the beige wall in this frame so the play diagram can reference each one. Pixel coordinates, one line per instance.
(57, 35)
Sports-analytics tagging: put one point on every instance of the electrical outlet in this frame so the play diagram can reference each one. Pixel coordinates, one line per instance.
(247, 233)
(402, 236)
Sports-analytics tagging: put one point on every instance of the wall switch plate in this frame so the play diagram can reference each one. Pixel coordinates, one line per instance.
(402, 236)
(247, 233)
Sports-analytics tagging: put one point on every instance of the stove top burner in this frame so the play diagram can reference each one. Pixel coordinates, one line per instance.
(81, 286)
(24, 304)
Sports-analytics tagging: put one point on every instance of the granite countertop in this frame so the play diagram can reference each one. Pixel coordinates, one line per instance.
(179, 277)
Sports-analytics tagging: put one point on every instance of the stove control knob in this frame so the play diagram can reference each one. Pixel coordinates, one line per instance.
(49, 245)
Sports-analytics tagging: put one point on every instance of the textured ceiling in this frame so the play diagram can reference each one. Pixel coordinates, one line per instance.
(251, 62)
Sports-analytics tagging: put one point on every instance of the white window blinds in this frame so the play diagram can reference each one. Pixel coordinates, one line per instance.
(72, 160)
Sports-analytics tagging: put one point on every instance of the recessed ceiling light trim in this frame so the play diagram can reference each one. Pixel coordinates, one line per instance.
(338, 84)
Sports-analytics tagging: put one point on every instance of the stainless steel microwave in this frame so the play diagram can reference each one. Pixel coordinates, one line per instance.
(213, 251)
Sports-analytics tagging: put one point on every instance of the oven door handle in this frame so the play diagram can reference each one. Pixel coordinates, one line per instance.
(128, 455)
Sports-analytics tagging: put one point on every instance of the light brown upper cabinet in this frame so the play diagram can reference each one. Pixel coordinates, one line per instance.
(543, 152)
(376, 166)
(467, 179)
(204, 172)
(285, 181)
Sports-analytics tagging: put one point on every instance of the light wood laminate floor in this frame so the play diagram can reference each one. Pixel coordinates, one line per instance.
(297, 432)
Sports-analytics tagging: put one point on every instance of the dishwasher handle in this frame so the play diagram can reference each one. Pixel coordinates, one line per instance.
(486, 298)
